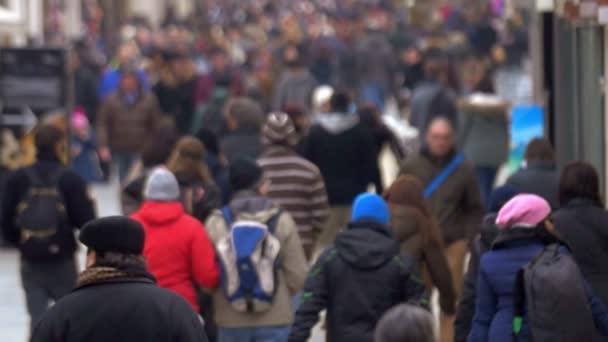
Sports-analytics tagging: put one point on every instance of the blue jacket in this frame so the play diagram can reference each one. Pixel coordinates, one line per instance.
(498, 269)
(110, 82)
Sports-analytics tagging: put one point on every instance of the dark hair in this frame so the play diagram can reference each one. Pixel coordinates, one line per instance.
(209, 140)
(540, 149)
(340, 102)
(46, 139)
(579, 179)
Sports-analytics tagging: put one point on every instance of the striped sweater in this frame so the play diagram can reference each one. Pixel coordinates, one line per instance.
(298, 187)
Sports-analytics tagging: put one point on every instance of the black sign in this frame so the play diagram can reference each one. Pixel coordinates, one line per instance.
(33, 77)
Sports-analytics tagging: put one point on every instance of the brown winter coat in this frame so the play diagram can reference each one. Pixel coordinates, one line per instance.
(456, 203)
(125, 128)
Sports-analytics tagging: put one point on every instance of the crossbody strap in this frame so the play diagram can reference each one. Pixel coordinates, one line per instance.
(447, 171)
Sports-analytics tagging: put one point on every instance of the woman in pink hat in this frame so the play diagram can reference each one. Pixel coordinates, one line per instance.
(525, 231)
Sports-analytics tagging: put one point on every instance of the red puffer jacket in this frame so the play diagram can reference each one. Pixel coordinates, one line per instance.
(177, 249)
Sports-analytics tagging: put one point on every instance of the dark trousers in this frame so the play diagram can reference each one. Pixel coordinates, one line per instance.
(46, 282)
(486, 177)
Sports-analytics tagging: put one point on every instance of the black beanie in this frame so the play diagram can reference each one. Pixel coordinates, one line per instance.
(244, 174)
(118, 234)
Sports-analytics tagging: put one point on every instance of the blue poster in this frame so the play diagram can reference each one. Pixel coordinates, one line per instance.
(527, 123)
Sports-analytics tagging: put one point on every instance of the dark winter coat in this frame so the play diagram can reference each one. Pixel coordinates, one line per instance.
(430, 99)
(512, 250)
(178, 102)
(121, 310)
(242, 143)
(583, 224)
(344, 151)
(456, 203)
(85, 91)
(357, 281)
(538, 178)
(295, 87)
(79, 206)
(466, 307)
(412, 230)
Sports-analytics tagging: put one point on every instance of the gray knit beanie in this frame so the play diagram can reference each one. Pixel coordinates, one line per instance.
(161, 186)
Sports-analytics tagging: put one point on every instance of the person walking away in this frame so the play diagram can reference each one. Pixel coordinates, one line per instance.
(124, 120)
(116, 298)
(432, 97)
(508, 271)
(417, 232)
(177, 248)
(295, 183)
(358, 279)
(483, 136)
(42, 205)
(343, 150)
(296, 84)
(268, 314)
(199, 194)
(452, 194)
(244, 119)
(582, 223)
(85, 85)
(216, 162)
(223, 78)
(406, 322)
(481, 244)
(539, 174)
(85, 161)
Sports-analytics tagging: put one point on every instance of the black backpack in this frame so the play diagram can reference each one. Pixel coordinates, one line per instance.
(42, 219)
(550, 292)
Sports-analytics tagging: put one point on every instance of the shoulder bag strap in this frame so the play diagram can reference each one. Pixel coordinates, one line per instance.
(443, 175)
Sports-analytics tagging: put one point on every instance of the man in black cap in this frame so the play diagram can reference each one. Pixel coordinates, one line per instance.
(116, 299)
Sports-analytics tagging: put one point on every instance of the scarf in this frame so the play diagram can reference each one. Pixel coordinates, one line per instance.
(102, 274)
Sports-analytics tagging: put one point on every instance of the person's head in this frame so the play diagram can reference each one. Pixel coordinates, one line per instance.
(219, 60)
(500, 196)
(183, 66)
(321, 99)
(579, 180)
(370, 207)
(126, 54)
(188, 159)
(524, 211)
(440, 137)
(161, 186)
(129, 80)
(407, 191)
(436, 66)
(51, 142)
(539, 150)
(340, 102)
(291, 57)
(244, 113)
(159, 146)
(405, 322)
(115, 241)
(80, 123)
(299, 117)
(246, 174)
(279, 130)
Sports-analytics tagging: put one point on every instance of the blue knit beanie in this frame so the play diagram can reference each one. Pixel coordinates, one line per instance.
(371, 207)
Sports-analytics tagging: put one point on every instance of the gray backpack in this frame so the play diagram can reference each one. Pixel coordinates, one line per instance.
(550, 292)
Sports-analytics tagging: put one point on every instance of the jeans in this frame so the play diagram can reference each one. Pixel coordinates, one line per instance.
(124, 161)
(337, 221)
(373, 93)
(266, 334)
(486, 177)
(46, 282)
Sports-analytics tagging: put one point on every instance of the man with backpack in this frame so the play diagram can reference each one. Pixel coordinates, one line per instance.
(261, 257)
(452, 194)
(358, 279)
(41, 206)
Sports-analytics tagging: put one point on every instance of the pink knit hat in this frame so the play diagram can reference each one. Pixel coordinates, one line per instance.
(79, 119)
(524, 211)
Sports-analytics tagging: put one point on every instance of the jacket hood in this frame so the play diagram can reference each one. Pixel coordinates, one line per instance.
(515, 234)
(366, 245)
(248, 205)
(336, 123)
(485, 104)
(159, 213)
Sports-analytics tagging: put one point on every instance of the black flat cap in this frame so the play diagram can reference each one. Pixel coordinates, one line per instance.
(118, 234)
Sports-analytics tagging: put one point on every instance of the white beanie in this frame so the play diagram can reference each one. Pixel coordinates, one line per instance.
(161, 186)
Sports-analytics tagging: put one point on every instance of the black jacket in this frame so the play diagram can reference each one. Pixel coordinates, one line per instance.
(120, 310)
(357, 281)
(466, 308)
(538, 178)
(346, 156)
(79, 206)
(583, 225)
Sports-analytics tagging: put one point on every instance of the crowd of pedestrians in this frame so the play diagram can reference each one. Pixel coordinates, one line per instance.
(247, 142)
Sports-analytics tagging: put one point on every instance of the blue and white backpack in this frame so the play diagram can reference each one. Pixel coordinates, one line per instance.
(249, 259)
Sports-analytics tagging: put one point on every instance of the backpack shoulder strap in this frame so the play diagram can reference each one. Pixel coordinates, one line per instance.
(274, 221)
(519, 302)
(443, 175)
(227, 213)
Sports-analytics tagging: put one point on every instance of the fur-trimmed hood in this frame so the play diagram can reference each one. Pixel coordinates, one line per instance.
(483, 103)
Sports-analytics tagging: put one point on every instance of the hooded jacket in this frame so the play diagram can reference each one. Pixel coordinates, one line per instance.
(248, 205)
(484, 129)
(177, 249)
(357, 280)
(344, 151)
